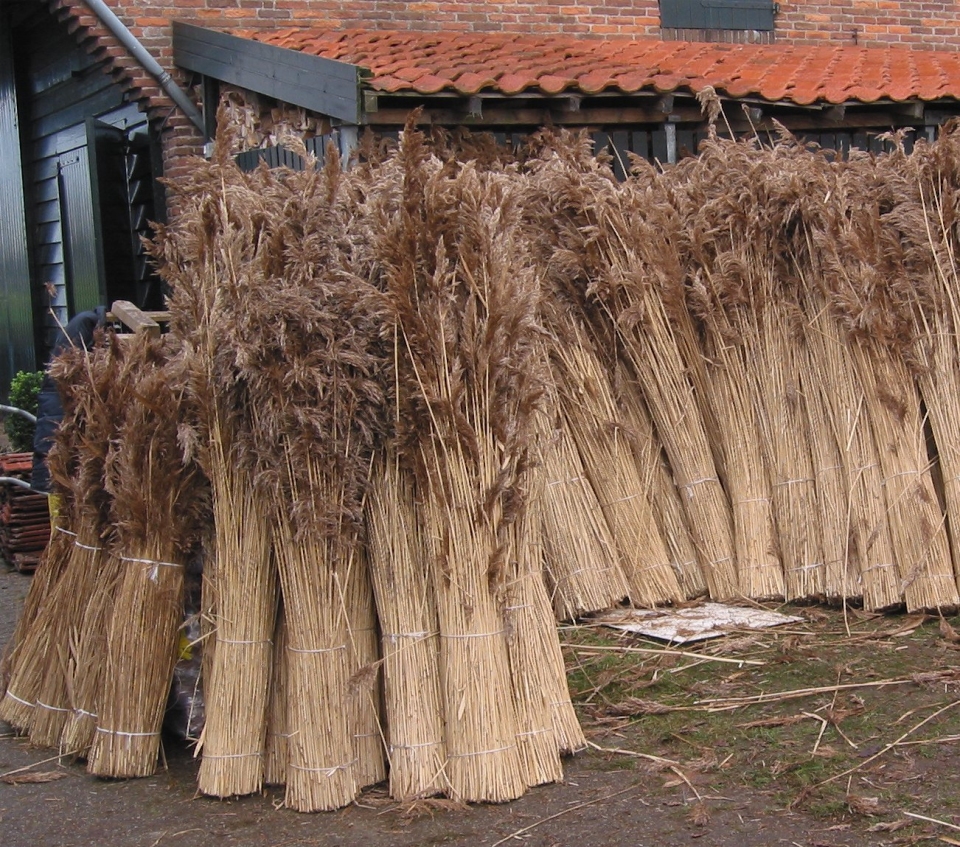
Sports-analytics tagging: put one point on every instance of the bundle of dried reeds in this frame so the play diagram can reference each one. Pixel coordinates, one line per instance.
(622, 485)
(465, 300)
(931, 244)
(311, 359)
(158, 503)
(406, 608)
(547, 723)
(208, 259)
(637, 426)
(90, 382)
(581, 564)
(610, 249)
(874, 295)
(14, 707)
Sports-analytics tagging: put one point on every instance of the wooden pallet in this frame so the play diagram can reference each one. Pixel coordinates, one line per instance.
(24, 516)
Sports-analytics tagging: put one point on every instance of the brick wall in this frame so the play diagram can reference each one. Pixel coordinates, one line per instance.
(923, 24)
(932, 25)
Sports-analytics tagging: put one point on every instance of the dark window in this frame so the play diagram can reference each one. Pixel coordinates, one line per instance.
(717, 14)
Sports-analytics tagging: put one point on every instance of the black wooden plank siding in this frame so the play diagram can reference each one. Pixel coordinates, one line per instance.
(312, 82)
(17, 350)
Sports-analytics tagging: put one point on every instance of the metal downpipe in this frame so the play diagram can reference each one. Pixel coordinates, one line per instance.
(151, 65)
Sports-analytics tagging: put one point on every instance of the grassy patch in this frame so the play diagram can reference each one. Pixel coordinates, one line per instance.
(847, 717)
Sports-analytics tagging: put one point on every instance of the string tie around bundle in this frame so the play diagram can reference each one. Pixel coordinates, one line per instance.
(317, 649)
(799, 479)
(809, 567)
(20, 700)
(701, 481)
(474, 634)
(123, 734)
(155, 565)
(50, 708)
(327, 772)
(482, 752)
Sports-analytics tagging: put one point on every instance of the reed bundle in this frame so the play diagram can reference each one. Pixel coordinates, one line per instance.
(933, 248)
(608, 249)
(547, 722)
(743, 204)
(869, 542)
(311, 358)
(406, 607)
(874, 296)
(533, 685)
(89, 382)
(465, 300)
(208, 259)
(664, 496)
(53, 561)
(581, 565)
(622, 485)
(158, 504)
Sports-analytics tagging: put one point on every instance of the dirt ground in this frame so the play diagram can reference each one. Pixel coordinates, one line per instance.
(841, 730)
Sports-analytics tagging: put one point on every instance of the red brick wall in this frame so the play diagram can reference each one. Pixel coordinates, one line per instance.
(920, 23)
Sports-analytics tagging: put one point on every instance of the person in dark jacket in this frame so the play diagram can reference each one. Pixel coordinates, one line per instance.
(79, 331)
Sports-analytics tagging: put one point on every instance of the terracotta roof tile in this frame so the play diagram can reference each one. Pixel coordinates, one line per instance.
(508, 64)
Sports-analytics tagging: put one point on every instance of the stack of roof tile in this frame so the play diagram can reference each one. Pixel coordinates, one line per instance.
(24, 515)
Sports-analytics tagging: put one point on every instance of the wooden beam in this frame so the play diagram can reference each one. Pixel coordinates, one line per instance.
(313, 82)
(134, 319)
(495, 115)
